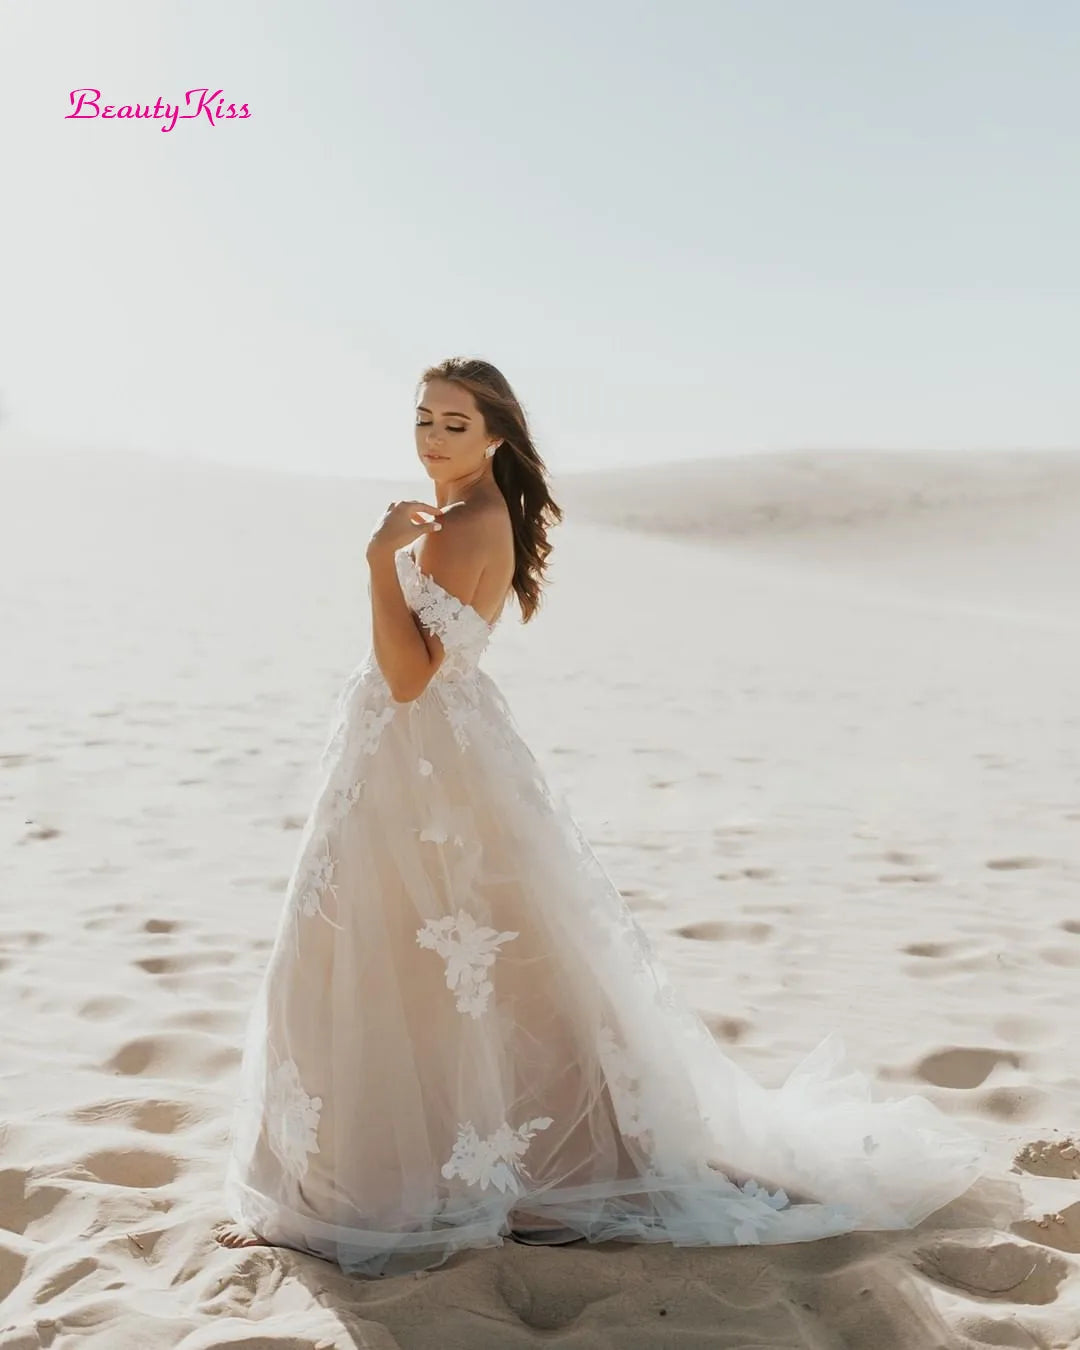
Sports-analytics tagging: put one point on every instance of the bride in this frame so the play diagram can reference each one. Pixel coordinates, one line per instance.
(462, 1034)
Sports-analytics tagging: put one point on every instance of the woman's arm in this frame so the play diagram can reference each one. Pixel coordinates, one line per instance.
(455, 558)
(396, 639)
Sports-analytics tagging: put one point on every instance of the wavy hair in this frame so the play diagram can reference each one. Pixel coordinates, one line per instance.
(517, 466)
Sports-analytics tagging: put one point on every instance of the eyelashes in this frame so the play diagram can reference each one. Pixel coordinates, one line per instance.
(427, 424)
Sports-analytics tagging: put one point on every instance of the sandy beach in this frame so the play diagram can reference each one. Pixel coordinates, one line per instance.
(817, 713)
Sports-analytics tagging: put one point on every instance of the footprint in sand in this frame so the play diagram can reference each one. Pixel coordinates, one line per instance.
(190, 1056)
(24, 1200)
(725, 932)
(964, 1066)
(932, 949)
(105, 1008)
(161, 926)
(1021, 1102)
(105, 918)
(1059, 956)
(753, 873)
(730, 1029)
(135, 1167)
(185, 961)
(1013, 1271)
(151, 1116)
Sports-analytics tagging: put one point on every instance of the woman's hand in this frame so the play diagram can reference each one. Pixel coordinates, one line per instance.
(398, 526)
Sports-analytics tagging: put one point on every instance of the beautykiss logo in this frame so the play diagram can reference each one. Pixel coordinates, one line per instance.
(86, 103)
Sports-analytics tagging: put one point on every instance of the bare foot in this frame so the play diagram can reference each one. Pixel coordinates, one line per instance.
(236, 1235)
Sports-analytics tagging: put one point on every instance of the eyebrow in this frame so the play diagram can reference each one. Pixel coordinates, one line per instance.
(420, 408)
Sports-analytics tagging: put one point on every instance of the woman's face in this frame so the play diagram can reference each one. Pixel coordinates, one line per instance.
(449, 425)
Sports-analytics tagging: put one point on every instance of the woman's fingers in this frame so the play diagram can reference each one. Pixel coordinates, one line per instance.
(426, 509)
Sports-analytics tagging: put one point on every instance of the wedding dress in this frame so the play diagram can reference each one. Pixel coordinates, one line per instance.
(463, 1030)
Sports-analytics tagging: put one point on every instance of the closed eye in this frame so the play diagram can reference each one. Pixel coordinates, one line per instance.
(427, 424)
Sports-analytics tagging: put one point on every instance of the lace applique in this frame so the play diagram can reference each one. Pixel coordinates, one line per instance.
(453, 823)
(343, 800)
(312, 882)
(462, 630)
(369, 724)
(495, 1160)
(361, 683)
(462, 862)
(468, 951)
(442, 612)
(435, 834)
(460, 701)
(292, 1119)
(363, 711)
(316, 881)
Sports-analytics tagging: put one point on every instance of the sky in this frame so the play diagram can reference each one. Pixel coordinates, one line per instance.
(680, 229)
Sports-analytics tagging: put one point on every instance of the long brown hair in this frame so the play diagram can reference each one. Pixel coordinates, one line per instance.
(518, 469)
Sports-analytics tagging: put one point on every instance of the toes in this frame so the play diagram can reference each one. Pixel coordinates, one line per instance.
(229, 1235)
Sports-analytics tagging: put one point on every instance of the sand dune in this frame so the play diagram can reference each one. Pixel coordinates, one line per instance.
(817, 714)
(793, 492)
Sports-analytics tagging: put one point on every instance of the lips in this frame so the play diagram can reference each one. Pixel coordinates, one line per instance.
(426, 456)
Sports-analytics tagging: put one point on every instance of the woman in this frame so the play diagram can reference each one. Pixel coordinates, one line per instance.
(462, 1033)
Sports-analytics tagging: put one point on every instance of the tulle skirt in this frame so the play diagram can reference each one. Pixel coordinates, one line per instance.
(463, 1030)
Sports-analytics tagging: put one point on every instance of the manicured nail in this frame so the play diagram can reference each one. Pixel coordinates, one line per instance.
(438, 526)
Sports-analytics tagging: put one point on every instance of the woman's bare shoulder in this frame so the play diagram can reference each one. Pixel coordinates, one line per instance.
(496, 529)
(494, 534)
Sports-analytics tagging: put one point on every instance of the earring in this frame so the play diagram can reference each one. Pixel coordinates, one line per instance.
(492, 448)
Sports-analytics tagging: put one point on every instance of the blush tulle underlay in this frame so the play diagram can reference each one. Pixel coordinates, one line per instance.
(462, 1034)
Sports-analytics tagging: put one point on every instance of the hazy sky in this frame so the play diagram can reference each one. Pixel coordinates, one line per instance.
(679, 228)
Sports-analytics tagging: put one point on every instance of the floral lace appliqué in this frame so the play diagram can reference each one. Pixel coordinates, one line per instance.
(312, 882)
(363, 708)
(462, 630)
(315, 882)
(436, 834)
(496, 1159)
(365, 734)
(468, 950)
(292, 1119)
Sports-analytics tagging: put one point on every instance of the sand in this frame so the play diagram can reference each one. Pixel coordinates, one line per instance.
(817, 714)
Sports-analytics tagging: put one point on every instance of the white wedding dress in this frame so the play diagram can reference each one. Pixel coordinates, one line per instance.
(462, 1029)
